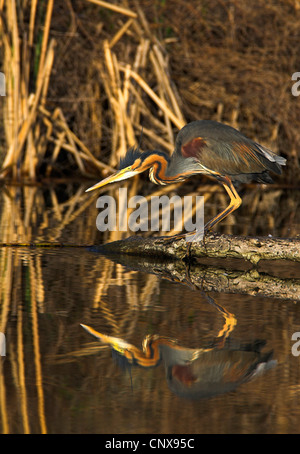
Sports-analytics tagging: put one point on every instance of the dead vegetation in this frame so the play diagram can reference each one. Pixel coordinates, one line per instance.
(83, 78)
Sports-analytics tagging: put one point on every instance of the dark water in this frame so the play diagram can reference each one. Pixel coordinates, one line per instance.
(57, 378)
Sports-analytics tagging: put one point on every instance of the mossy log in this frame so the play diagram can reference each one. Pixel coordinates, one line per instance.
(250, 249)
(266, 268)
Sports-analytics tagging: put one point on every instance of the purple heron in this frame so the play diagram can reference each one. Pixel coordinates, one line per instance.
(207, 148)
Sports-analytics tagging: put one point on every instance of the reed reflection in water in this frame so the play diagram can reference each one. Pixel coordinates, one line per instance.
(52, 381)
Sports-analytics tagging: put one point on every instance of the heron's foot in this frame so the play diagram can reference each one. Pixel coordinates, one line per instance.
(191, 237)
(194, 237)
(171, 239)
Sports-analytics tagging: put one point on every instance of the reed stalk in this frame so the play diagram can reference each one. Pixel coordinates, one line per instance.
(31, 129)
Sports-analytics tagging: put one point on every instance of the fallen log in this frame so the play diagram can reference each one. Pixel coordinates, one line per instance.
(249, 249)
(271, 279)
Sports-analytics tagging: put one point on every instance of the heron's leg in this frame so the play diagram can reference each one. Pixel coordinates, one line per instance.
(230, 321)
(235, 202)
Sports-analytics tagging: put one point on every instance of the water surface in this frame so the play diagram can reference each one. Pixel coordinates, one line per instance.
(56, 378)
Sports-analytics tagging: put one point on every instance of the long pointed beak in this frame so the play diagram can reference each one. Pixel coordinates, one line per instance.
(116, 343)
(123, 174)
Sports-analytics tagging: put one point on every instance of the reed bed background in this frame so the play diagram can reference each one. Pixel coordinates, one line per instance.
(83, 78)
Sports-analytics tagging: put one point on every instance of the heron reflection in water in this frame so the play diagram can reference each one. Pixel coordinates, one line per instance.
(196, 372)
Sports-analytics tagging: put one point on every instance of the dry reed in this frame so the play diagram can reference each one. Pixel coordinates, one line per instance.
(32, 131)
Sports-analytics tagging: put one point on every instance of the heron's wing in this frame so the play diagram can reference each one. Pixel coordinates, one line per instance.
(236, 157)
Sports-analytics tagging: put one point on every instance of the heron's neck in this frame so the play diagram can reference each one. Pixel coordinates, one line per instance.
(158, 168)
(166, 170)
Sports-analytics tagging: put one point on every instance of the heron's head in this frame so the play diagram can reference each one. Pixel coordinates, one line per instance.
(132, 164)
